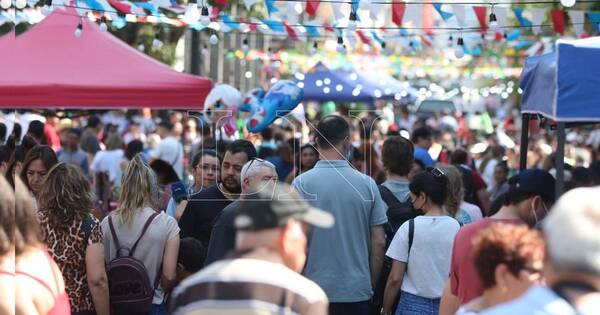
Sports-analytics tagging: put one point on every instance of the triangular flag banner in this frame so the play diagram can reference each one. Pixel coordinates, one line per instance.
(311, 7)
(460, 13)
(595, 19)
(578, 19)
(276, 26)
(414, 15)
(363, 38)
(354, 6)
(501, 15)
(537, 17)
(375, 9)
(328, 28)
(312, 31)
(148, 6)
(513, 35)
(443, 14)
(481, 13)
(398, 10)
(249, 4)
(292, 16)
(120, 6)
(376, 37)
(290, 31)
(337, 10)
(271, 8)
(226, 19)
(522, 20)
(558, 19)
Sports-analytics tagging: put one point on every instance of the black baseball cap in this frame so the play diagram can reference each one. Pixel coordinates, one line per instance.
(273, 205)
(534, 181)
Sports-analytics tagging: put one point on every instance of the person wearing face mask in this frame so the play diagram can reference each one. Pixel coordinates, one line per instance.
(530, 194)
(421, 249)
(203, 207)
(261, 275)
(255, 174)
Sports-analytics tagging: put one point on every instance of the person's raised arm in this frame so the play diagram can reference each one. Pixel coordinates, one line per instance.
(96, 278)
(377, 252)
(392, 286)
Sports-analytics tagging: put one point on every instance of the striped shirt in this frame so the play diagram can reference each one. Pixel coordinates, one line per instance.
(248, 286)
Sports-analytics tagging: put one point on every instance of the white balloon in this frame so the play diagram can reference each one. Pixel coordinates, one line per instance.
(567, 3)
(213, 39)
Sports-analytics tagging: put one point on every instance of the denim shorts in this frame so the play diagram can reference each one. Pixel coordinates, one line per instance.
(411, 304)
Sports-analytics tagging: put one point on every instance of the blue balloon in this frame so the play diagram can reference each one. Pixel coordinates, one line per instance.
(279, 101)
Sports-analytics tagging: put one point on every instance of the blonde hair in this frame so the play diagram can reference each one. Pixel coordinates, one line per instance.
(139, 189)
(455, 192)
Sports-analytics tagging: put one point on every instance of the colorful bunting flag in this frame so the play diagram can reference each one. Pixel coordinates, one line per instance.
(577, 18)
(276, 26)
(363, 38)
(376, 37)
(312, 31)
(311, 7)
(443, 14)
(537, 18)
(271, 8)
(558, 19)
(460, 13)
(595, 19)
(231, 24)
(398, 10)
(481, 13)
(291, 32)
(522, 20)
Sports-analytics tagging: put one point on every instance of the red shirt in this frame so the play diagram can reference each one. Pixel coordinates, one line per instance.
(52, 137)
(464, 280)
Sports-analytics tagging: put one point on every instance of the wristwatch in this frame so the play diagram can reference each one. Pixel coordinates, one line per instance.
(384, 312)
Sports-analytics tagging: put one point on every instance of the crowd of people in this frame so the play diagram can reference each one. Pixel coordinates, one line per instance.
(147, 212)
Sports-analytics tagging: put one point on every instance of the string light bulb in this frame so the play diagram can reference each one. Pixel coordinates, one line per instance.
(156, 42)
(213, 39)
(79, 29)
(20, 4)
(5, 4)
(141, 47)
(459, 51)
(340, 48)
(313, 49)
(567, 3)
(204, 16)
(192, 14)
(493, 22)
(352, 21)
(47, 8)
(103, 26)
(245, 46)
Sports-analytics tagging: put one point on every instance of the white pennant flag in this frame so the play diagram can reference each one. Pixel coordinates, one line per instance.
(501, 15)
(577, 18)
(294, 9)
(249, 3)
(337, 11)
(537, 18)
(414, 15)
(460, 13)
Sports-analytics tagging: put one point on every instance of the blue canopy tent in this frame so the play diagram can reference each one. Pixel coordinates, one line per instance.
(563, 86)
(322, 85)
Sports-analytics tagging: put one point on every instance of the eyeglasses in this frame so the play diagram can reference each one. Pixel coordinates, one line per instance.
(250, 165)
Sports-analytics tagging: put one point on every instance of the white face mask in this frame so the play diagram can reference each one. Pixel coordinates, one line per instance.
(535, 212)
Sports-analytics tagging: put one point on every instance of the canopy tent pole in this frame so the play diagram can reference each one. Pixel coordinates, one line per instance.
(524, 141)
(559, 162)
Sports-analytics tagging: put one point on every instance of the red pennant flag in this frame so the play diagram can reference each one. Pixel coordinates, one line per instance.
(481, 13)
(363, 38)
(251, 26)
(290, 31)
(558, 19)
(311, 7)
(120, 6)
(221, 2)
(398, 9)
(215, 13)
(328, 27)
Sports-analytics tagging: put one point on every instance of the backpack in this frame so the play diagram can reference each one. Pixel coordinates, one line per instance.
(398, 212)
(129, 286)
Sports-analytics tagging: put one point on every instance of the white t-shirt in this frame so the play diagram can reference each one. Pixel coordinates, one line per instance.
(538, 300)
(109, 162)
(429, 261)
(468, 213)
(170, 151)
(488, 172)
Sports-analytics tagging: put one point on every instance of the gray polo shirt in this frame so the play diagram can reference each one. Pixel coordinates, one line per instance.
(338, 258)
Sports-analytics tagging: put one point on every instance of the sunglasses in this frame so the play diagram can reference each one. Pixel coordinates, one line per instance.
(436, 172)
(250, 165)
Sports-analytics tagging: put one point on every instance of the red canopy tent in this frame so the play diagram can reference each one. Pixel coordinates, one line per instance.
(49, 67)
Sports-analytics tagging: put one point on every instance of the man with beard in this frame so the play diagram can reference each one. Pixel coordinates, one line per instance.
(202, 208)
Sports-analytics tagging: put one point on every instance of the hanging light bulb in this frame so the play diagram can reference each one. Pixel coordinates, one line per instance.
(103, 26)
(493, 22)
(20, 4)
(341, 48)
(79, 29)
(5, 4)
(352, 22)
(450, 41)
(156, 42)
(245, 46)
(313, 49)
(567, 3)
(213, 39)
(459, 51)
(204, 16)
(141, 47)
(192, 14)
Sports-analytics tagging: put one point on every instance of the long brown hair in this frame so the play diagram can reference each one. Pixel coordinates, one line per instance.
(7, 217)
(27, 232)
(139, 189)
(42, 152)
(65, 195)
(455, 191)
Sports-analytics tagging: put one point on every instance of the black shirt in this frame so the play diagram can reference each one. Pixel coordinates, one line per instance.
(199, 214)
(222, 239)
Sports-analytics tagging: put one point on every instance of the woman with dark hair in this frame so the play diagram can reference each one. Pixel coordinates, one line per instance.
(166, 176)
(39, 286)
(74, 238)
(15, 162)
(508, 259)
(306, 159)
(7, 248)
(421, 249)
(38, 161)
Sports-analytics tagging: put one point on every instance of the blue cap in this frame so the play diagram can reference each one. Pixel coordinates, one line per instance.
(534, 181)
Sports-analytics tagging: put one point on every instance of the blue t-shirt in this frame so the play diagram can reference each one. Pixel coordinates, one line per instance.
(423, 156)
(338, 258)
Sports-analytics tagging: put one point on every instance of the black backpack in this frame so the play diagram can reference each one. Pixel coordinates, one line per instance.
(398, 212)
(129, 285)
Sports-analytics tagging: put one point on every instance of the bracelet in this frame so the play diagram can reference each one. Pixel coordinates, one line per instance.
(384, 312)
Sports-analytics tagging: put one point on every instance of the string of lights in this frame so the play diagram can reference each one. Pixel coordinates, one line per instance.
(498, 2)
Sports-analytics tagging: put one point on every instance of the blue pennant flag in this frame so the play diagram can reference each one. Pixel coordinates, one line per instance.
(276, 26)
(377, 38)
(513, 35)
(403, 32)
(119, 22)
(522, 20)
(94, 5)
(443, 14)
(595, 19)
(312, 31)
(355, 4)
(229, 22)
(271, 6)
(473, 51)
(148, 7)
(523, 44)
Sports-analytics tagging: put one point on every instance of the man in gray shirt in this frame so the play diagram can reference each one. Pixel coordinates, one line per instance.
(345, 260)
